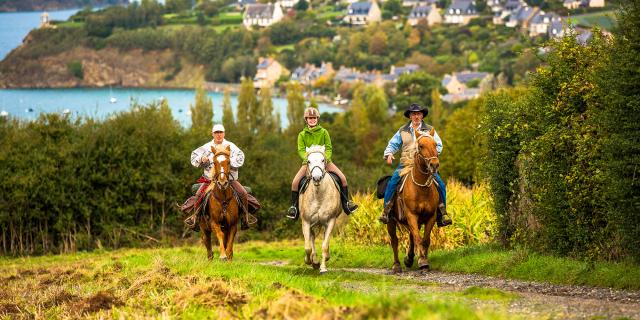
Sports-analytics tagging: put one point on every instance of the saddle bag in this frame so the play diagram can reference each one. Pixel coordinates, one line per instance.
(381, 186)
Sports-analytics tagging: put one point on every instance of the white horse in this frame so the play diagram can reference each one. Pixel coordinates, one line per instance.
(319, 206)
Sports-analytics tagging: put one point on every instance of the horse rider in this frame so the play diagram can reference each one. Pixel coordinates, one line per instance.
(314, 134)
(202, 157)
(403, 140)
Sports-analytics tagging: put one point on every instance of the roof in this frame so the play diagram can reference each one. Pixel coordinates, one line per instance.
(463, 5)
(464, 77)
(264, 63)
(359, 8)
(512, 5)
(259, 10)
(409, 68)
(541, 16)
(420, 11)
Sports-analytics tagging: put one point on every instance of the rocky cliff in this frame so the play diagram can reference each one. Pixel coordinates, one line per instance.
(100, 68)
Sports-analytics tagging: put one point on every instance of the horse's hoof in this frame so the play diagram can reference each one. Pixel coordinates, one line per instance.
(323, 271)
(397, 268)
(223, 258)
(307, 260)
(315, 265)
(408, 262)
(424, 265)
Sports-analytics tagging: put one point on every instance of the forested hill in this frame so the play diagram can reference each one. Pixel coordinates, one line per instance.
(36, 5)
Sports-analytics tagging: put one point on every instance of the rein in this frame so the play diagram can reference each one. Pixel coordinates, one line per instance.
(310, 169)
(224, 202)
(427, 160)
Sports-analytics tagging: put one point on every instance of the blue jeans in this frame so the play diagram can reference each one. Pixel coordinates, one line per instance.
(395, 179)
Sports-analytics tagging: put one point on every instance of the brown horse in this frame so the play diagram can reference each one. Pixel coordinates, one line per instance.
(417, 202)
(223, 207)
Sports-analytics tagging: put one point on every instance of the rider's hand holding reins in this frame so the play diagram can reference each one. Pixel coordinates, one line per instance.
(390, 159)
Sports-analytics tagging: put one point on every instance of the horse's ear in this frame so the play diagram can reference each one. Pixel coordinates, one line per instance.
(213, 148)
(432, 132)
(306, 149)
(228, 148)
(322, 149)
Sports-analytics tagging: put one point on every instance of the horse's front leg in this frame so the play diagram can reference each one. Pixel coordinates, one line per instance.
(391, 229)
(408, 259)
(414, 228)
(231, 236)
(206, 239)
(325, 245)
(426, 242)
(220, 235)
(306, 232)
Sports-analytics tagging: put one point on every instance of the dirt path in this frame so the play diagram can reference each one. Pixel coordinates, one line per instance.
(536, 299)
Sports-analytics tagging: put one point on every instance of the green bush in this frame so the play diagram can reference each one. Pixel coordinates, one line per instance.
(75, 67)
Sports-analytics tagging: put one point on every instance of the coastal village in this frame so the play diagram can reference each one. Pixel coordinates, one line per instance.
(463, 83)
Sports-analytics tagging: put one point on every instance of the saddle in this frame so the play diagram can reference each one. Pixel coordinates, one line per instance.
(304, 183)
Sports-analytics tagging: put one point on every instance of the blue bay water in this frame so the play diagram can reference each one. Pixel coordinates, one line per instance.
(27, 104)
(14, 26)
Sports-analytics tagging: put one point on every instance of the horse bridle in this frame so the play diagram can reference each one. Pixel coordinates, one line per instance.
(427, 160)
(310, 169)
(223, 202)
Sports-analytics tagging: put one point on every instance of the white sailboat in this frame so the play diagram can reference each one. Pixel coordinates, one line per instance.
(112, 99)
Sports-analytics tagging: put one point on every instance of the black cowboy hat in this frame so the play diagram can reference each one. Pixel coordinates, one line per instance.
(414, 107)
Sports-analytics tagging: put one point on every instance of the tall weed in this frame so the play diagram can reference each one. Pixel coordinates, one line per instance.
(474, 219)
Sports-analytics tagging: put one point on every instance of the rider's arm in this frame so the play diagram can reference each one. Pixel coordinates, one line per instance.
(394, 145)
(438, 141)
(302, 152)
(328, 148)
(237, 157)
(197, 154)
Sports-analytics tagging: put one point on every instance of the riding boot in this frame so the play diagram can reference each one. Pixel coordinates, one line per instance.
(292, 213)
(384, 217)
(244, 221)
(347, 205)
(442, 218)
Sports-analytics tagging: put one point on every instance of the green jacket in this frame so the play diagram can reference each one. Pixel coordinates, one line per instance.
(314, 136)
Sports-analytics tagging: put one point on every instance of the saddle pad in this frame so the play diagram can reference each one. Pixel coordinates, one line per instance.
(304, 182)
(381, 186)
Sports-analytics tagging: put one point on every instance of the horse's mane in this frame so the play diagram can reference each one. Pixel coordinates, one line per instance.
(222, 149)
(407, 160)
(315, 148)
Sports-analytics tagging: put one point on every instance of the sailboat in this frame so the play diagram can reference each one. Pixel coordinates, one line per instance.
(112, 99)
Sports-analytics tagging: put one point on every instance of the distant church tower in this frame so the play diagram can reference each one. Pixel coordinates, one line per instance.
(44, 20)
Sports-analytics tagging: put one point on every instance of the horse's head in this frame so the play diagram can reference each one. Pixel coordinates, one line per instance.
(426, 153)
(315, 163)
(221, 165)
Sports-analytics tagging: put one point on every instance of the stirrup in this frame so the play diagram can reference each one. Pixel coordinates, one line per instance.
(292, 213)
(351, 206)
(192, 223)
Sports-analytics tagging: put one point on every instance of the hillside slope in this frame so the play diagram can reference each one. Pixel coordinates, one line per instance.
(99, 68)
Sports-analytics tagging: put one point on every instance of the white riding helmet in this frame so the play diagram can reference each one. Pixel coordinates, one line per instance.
(311, 112)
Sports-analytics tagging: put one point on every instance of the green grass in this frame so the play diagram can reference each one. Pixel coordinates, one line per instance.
(284, 47)
(180, 282)
(270, 280)
(604, 19)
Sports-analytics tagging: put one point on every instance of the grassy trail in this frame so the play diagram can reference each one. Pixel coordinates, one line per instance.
(265, 280)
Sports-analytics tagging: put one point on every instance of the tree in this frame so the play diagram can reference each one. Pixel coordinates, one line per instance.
(227, 114)
(415, 88)
(295, 106)
(247, 106)
(266, 121)
(201, 113)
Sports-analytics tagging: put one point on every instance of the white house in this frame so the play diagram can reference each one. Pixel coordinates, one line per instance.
(268, 72)
(540, 23)
(262, 15)
(460, 12)
(362, 13)
(429, 13)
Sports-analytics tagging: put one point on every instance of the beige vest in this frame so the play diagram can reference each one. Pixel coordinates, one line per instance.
(408, 137)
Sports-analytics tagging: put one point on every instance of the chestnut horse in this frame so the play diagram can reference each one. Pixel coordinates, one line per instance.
(223, 207)
(417, 202)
